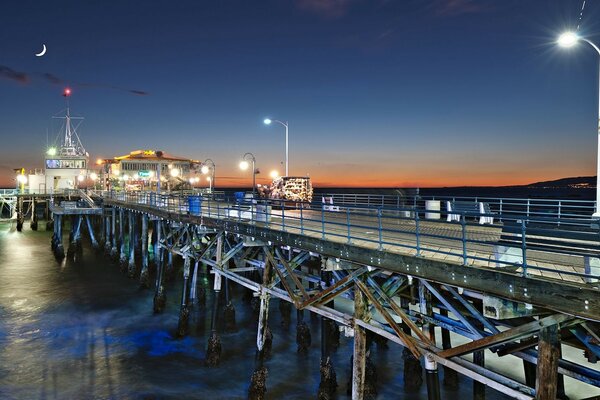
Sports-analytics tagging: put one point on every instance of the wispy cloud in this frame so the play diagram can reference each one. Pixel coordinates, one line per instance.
(325, 8)
(24, 77)
(9, 73)
(452, 8)
(55, 80)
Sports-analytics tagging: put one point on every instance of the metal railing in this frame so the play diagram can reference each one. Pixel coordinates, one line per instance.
(554, 210)
(526, 244)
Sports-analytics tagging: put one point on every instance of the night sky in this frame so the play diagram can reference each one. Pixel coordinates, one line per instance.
(377, 92)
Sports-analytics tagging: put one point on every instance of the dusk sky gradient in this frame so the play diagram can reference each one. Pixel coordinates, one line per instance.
(377, 93)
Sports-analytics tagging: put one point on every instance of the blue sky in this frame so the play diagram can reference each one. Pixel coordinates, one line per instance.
(377, 93)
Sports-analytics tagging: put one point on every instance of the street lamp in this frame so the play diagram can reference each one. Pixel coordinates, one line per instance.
(268, 121)
(244, 166)
(570, 39)
(209, 165)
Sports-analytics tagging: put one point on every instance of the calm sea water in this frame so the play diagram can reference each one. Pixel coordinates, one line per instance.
(86, 331)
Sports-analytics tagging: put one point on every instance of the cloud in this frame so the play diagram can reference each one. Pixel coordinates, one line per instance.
(55, 80)
(325, 8)
(9, 73)
(52, 78)
(452, 8)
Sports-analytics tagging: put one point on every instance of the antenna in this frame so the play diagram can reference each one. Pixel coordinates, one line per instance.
(71, 145)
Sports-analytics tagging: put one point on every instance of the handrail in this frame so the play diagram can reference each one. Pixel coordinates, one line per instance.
(529, 245)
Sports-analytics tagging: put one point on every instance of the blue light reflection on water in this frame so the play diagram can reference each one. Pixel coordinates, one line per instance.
(85, 331)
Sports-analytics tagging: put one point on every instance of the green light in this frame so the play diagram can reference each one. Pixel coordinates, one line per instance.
(51, 151)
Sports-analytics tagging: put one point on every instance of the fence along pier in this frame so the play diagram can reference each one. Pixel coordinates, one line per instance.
(378, 268)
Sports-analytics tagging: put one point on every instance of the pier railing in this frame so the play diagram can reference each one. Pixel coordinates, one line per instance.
(534, 244)
(558, 209)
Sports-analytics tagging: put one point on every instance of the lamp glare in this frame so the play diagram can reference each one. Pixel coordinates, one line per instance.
(567, 39)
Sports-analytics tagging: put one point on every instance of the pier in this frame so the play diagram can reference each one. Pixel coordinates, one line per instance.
(520, 279)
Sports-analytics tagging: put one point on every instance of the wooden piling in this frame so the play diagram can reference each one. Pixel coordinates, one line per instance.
(113, 234)
(160, 297)
(184, 311)
(450, 375)
(20, 216)
(122, 256)
(144, 274)
(263, 314)
(34, 219)
(479, 359)
(131, 268)
(547, 365)
(360, 346)
(431, 367)
(213, 350)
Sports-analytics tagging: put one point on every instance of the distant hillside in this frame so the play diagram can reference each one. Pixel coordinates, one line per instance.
(580, 182)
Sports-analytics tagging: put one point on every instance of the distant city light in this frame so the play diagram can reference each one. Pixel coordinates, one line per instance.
(51, 151)
(93, 176)
(67, 92)
(274, 174)
(99, 161)
(80, 178)
(174, 172)
(204, 169)
(267, 121)
(567, 39)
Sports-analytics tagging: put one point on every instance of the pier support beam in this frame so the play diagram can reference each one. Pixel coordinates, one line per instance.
(107, 238)
(213, 350)
(360, 346)
(145, 275)
(90, 228)
(450, 375)
(20, 216)
(160, 296)
(184, 311)
(431, 367)
(113, 230)
(131, 268)
(34, 219)
(75, 238)
(122, 255)
(328, 384)
(59, 250)
(547, 366)
(264, 338)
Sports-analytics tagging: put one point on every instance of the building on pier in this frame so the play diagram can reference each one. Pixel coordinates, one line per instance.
(147, 169)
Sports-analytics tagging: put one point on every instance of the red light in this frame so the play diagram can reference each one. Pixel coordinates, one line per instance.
(67, 92)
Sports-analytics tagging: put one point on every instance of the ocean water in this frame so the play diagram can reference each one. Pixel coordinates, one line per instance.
(85, 331)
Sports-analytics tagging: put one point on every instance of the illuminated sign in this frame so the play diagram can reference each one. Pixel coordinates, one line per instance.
(144, 174)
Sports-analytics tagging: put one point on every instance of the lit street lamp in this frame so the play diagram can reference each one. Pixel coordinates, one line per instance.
(268, 121)
(570, 39)
(209, 165)
(244, 166)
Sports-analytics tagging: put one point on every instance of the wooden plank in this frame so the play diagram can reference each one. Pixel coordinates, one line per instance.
(510, 335)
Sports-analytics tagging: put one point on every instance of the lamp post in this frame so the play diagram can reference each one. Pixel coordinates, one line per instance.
(570, 39)
(268, 121)
(244, 166)
(209, 165)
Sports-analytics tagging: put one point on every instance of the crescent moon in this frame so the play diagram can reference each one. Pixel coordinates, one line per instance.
(42, 52)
